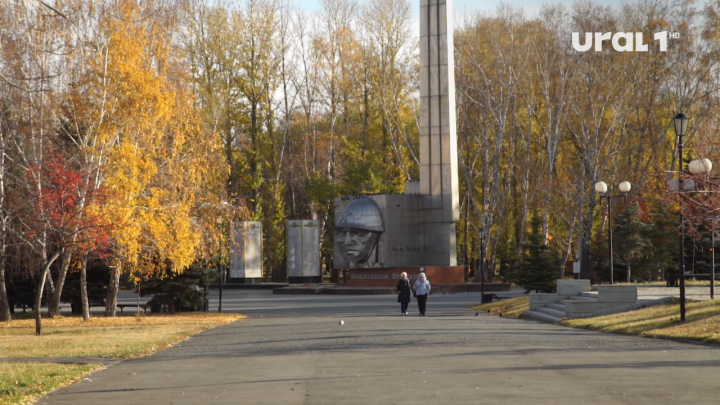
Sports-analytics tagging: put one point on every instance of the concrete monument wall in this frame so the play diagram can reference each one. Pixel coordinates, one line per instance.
(378, 231)
(246, 252)
(303, 252)
(389, 277)
(418, 228)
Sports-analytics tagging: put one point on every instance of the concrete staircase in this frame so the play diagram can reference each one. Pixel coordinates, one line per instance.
(554, 312)
(575, 300)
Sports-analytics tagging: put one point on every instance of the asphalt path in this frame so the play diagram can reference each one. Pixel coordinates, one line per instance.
(292, 350)
(263, 303)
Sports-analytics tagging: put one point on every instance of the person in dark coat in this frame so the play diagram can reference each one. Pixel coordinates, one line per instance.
(403, 289)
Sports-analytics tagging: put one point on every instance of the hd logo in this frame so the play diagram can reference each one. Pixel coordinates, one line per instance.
(633, 41)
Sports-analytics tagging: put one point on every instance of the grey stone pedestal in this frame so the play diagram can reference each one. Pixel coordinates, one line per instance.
(240, 280)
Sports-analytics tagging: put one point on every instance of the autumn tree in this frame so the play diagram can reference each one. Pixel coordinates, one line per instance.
(140, 128)
(4, 220)
(33, 69)
(57, 214)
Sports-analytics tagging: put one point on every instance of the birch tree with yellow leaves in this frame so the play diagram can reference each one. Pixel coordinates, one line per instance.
(145, 137)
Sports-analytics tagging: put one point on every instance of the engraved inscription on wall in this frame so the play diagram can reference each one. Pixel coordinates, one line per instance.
(406, 247)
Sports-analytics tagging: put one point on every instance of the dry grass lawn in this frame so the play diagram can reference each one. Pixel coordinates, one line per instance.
(693, 282)
(22, 383)
(120, 338)
(511, 307)
(702, 322)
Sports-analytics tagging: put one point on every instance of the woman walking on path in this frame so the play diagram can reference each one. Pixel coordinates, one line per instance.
(422, 289)
(403, 289)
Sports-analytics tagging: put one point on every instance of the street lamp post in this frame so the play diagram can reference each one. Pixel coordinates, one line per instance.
(222, 269)
(703, 166)
(681, 123)
(224, 205)
(602, 189)
(222, 277)
(223, 209)
(481, 266)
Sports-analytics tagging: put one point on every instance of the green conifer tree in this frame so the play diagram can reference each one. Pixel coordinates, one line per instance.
(631, 238)
(538, 267)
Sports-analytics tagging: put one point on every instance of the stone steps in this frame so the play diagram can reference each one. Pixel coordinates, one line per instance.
(551, 311)
(579, 298)
(555, 311)
(574, 299)
(541, 316)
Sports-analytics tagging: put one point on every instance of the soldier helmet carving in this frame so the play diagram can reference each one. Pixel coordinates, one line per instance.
(362, 213)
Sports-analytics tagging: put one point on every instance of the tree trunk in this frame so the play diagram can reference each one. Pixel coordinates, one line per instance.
(170, 302)
(39, 293)
(546, 218)
(113, 288)
(56, 294)
(50, 286)
(5, 309)
(4, 304)
(586, 269)
(568, 249)
(566, 256)
(85, 303)
(627, 269)
(524, 214)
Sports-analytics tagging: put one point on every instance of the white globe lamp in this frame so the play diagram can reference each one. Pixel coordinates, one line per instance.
(700, 166)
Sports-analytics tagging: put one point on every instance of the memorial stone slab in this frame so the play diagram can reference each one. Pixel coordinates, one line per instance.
(303, 251)
(246, 252)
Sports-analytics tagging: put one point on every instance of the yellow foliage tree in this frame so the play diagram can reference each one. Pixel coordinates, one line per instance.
(147, 143)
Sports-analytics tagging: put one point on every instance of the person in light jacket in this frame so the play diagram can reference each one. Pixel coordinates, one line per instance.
(422, 289)
(403, 289)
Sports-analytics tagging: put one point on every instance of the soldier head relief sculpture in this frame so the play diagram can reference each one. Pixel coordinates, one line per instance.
(357, 233)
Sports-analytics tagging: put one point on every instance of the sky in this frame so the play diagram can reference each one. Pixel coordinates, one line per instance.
(531, 7)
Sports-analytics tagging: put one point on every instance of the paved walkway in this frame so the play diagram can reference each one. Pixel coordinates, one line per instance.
(263, 303)
(378, 357)
(691, 293)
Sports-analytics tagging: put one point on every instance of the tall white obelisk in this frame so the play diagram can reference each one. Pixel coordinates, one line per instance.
(438, 139)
